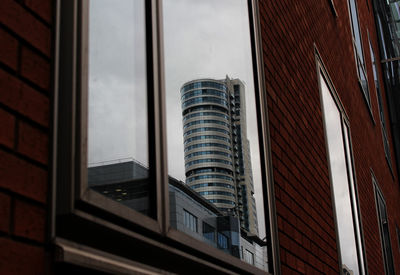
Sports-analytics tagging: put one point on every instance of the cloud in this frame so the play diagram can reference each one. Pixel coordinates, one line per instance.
(117, 82)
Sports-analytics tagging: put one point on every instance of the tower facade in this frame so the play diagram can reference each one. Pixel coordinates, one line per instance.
(217, 151)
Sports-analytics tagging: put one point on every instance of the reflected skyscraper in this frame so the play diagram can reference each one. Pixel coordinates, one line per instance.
(217, 151)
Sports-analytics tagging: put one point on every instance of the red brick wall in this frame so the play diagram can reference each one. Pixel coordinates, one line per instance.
(25, 77)
(303, 197)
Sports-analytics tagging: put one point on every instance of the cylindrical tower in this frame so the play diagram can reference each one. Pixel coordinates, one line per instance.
(207, 134)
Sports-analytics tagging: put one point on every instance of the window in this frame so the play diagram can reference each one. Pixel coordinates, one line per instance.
(248, 257)
(344, 191)
(208, 232)
(386, 146)
(384, 229)
(222, 241)
(358, 50)
(153, 130)
(190, 221)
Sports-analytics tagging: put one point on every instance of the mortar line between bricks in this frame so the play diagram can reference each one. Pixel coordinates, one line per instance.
(26, 241)
(24, 157)
(37, 16)
(26, 43)
(22, 197)
(25, 80)
(283, 218)
(301, 245)
(23, 117)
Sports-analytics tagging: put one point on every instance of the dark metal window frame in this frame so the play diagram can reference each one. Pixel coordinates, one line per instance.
(398, 236)
(382, 116)
(333, 8)
(378, 193)
(358, 63)
(360, 243)
(86, 223)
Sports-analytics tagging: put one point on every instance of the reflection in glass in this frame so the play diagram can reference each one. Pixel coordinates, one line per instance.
(213, 145)
(384, 230)
(342, 184)
(117, 100)
(356, 28)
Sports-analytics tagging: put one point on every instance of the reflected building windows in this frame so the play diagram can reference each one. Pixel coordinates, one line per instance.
(212, 120)
(239, 159)
(190, 221)
(208, 232)
(248, 256)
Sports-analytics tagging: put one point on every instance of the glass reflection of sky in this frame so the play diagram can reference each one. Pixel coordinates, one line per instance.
(117, 82)
(338, 167)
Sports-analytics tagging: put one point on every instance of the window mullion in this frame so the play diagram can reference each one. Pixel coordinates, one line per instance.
(157, 131)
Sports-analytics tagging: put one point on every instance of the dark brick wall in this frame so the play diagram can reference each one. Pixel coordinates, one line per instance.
(303, 196)
(25, 77)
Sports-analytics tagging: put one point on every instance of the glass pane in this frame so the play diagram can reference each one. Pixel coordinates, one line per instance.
(385, 236)
(213, 141)
(340, 182)
(354, 201)
(356, 29)
(117, 131)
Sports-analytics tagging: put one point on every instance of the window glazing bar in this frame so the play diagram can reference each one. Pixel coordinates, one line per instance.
(390, 59)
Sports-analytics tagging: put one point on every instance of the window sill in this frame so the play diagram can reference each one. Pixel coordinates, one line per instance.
(84, 256)
(85, 246)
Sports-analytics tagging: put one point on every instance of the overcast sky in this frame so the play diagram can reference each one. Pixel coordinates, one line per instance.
(202, 39)
(340, 182)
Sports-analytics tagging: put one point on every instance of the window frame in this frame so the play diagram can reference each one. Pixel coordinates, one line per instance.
(378, 193)
(73, 203)
(358, 62)
(349, 158)
(333, 8)
(381, 110)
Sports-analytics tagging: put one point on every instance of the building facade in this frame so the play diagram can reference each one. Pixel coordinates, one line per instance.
(217, 153)
(123, 181)
(307, 57)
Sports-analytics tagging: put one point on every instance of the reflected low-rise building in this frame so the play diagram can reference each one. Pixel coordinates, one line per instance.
(125, 181)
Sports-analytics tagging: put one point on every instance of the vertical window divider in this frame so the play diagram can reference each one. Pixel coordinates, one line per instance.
(353, 188)
(265, 145)
(387, 259)
(64, 128)
(156, 102)
(83, 99)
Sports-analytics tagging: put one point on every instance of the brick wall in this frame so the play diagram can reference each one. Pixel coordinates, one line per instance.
(25, 77)
(303, 196)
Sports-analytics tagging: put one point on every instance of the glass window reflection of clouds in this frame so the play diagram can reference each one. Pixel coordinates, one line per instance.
(341, 169)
